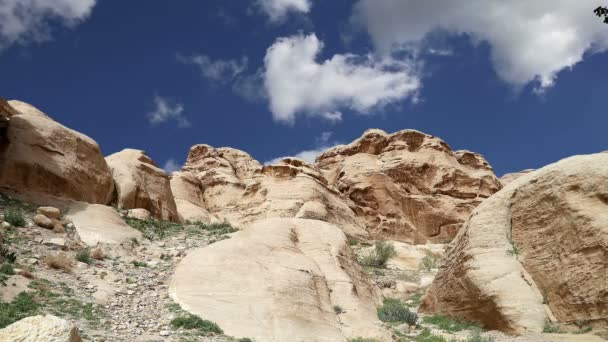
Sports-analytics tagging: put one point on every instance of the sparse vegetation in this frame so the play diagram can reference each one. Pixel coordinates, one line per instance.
(98, 253)
(6, 254)
(138, 263)
(382, 252)
(550, 328)
(415, 299)
(429, 261)
(15, 217)
(22, 306)
(59, 261)
(191, 322)
(6, 270)
(84, 256)
(155, 230)
(338, 309)
(513, 251)
(449, 324)
(218, 228)
(245, 339)
(361, 339)
(582, 331)
(394, 310)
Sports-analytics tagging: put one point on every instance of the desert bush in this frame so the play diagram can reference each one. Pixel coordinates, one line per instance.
(98, 253)
(15, 218)
(552, 329)
(59, 261)
(217, 228)
(6, 254)
(190, 322)
(84, 256)
(361, 339)
(382, 252)
(138, 263)
(394, 310)
(429, 261)
(338, 309)
(450, 324)
(22, 306)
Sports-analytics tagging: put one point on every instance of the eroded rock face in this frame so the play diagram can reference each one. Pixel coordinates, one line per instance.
(409, 186)
(188, 193)
(140, 183)
(288, 276)
(509, 177)
(536, 250)
(42, 156)
(41, 328)
(237, 188)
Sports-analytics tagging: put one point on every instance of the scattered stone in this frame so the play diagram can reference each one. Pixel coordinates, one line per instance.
(50, 212)
(44, 221)
(55, 242)
(139, 213)
(5, 225)
(41, 328)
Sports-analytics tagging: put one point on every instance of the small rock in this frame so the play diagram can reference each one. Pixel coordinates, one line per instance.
(50, 212)
(44, 221)
(58, 242)
(5, 225)
(140, 214)
(164, 333)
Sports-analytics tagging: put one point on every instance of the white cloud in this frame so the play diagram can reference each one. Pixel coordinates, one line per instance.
(323, 144)
(22, 21)
(166, 110)
(297, 83)
(530, 40)
(277, 10)
(222, 71)
(171, 166)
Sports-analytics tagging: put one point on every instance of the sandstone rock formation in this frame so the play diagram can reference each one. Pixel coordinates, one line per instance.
(509, 177)
(97, 224)
(409, 186)
(41, 328)
(535, 251)
(235, 187)
(42, 156)
(283, 285)
(140, 183)
(188, 193)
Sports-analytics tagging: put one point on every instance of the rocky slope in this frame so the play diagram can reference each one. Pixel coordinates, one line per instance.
(535, 252)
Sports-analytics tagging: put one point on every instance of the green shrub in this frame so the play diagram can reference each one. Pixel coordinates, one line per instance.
(84, 256)
(449, 324)
(218, 228)
(552, 329)
(22, 306)
(153, 229)
(476, 337)
(394, 310)
(338, 309)
(6, 254)
(382, 252)
(245, 339)
(14, 217)
(582, 331)
(427, 336)
(361, 339)
(429, 261)
(191, 322)
(137, 263)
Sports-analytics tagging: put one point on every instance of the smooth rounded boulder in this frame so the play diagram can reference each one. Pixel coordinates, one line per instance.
(41, 328)
(279, 280)
(535, 252)
(42, 156)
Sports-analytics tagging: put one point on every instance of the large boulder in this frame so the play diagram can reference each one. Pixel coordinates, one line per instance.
(509, 177)
(140, 183)
(409, 186)
(237, 188)
(279, 280)
(188, 194)
(96, 223)
(42, 156)
(41, 328)
(535, 251)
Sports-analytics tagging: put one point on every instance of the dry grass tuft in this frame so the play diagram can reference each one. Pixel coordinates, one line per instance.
(58, 229)
(59, 261)
(98, 253)
(27, 274)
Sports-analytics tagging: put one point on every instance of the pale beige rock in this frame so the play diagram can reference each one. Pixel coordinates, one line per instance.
(140, 183)
(50, 212)
(509, 177)
(41, 328)
(43, 221)
(412, 257)
(536, 249)
(409, 186)
(238, 189)
(96, 224)
(44, 157)
(283, 285)
(140, 214)
(188, 193)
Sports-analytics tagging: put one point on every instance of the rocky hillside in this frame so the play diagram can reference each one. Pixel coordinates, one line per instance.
(351, 248)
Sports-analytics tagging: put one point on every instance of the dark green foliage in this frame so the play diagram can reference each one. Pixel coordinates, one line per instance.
(217, 229)
(394, 310)
(449, 324)
(5, 271)
(6, 254)
(84, 256)
(378, 258)
(338, 309)
(14, 217)
(194, 322)
(154, 229)
(139, 263)
(427, 336)
(552, 329)
(245, 339)
(22, 306)
(361, 339)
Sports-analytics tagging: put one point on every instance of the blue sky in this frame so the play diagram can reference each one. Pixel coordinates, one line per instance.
(521, 83)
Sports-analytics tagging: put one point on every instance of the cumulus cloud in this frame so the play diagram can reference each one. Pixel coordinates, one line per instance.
(531, 41)
(23, 21)
(297, 83)
(322, 143)
(221, 71)
(171, 166)
(166, 110)
(277, 10)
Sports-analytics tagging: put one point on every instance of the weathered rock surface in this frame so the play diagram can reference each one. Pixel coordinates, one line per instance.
(43, 221)
(96, 224)
(537, 250)
(50, 212)
(409, 186)
(140, 183)
(41, 328)
(509, 177)
(283, 285)
(237, 188)
(188, 193)
(42, 156)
